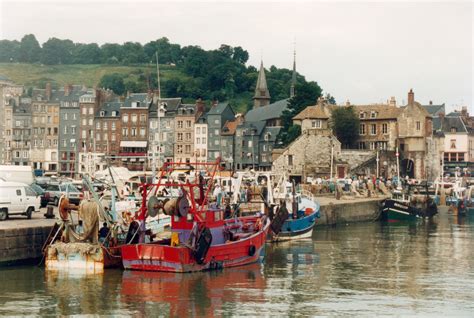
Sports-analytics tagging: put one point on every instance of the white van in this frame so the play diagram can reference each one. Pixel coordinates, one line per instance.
(17, 198)
(22, 174)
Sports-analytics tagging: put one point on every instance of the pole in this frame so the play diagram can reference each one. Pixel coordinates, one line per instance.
(377, 161)
(398, 169)
(332, 154)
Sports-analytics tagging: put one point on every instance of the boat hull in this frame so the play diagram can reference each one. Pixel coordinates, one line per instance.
(179, 259)
(295, 229)
(394, 211)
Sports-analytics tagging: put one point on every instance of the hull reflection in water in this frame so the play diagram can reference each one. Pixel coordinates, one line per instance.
(195, 294)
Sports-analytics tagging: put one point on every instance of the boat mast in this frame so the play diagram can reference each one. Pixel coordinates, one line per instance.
(398, 169)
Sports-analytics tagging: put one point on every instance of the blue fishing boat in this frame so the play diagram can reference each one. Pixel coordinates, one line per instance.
(299, 222)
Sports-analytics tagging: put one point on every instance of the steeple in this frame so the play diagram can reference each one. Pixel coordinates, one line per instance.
(262, 95)
(293, 77)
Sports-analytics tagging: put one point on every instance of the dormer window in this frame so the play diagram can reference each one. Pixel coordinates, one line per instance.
(373, 114)
(453, 129)
(316, 123)
(361, 115)
(114, 113)
(102, 113)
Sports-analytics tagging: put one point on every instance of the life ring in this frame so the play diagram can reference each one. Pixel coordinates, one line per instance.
(63, 207)
(252, 250)
(258, 225)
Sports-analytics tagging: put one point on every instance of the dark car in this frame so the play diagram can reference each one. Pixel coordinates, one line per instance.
(40, 192)
(56, 190)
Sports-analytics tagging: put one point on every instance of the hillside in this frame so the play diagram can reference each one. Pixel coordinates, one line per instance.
(36, 75)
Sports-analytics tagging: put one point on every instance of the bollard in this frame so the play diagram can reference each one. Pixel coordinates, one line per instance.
(49, 212)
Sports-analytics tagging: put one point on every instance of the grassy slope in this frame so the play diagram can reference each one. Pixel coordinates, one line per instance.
(89, 75)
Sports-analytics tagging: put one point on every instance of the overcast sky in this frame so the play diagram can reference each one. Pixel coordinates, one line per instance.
(361, 51)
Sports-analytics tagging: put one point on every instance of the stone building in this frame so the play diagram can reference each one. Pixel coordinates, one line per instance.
(45, 134)
(21, 133)
(185, 119)
(134, 133)
(200, 138)
(9, 96)
(88, 108)
(228, 141)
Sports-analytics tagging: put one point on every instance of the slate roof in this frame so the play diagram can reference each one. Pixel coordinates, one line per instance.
(435, 110)
(261, 86)
(445, 124)
(273, 133)
(267, 112)
(143, 98)
(171, 106)
(383, 111)
(108, 108)
(218, 109)
(258, 125)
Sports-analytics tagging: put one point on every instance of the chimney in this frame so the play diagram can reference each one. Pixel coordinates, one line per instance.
(431, 102)
(464, 112)
(393, 101)
(200, 105)
(67, 89)
(214, 103)
(48, 91)
(411, 97)
(239, 118)
(441, 116)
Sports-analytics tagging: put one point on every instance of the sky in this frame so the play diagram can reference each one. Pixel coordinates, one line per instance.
(364, 52)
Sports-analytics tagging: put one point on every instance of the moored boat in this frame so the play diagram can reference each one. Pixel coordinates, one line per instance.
(201, 239)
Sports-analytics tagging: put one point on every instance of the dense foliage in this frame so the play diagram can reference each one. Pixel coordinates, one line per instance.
(345, 124)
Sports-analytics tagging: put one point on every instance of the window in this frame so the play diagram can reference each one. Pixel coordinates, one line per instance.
(216, 132)
(54, 156)
(179, 148)
(372, 145)
(97, 125)
(65, 116)
(198, 140)
(188, 124)
(216, 142)
(113, 126)
(187, 149)
(373, 129)
(362, 145)
(84, 134)
(91, 122)
(73, 130)
(125, 118)
(105, 126)
(84, 121)
(385, 129)
(250, 143)
(203, 130)
(74, 116)
(290, 160)
(180, 124)
(49, 120)
(180, 136)
(134, 118)
(362, 129)
(65, 130)
(102, 113)
(106, 136)
(316, 123)
(25, 154)
(133, 132)
(373, 114)
(418, 126)
(124, 132)
(84, 111)
(216, 121)
(204, 140)
(453, 129)
(188, 136)
(142, 118)
(453, 143)
(198, 130)
(18, 192)
(113, 137)
(142, 132)
(361, 115)
(114, 113)
(91, 110)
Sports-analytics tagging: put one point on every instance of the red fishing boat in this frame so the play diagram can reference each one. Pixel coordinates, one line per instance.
(201, 239)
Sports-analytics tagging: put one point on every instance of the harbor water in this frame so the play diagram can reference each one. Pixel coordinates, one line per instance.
(357, 269)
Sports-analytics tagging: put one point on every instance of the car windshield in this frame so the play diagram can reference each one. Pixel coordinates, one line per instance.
(69, 188)
(37, 188)
(52, 187)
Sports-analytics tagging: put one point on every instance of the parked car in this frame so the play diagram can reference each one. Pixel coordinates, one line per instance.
(17, 198)
(56, 190)
(42, 194)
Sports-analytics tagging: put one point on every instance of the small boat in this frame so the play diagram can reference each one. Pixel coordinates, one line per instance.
(296, 214)
(201, 239)
(408, 206)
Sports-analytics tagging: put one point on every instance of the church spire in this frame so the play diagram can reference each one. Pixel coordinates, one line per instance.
(262, 95)
(293, 77)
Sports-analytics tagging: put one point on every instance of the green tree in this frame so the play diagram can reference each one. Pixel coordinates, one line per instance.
(240, 55)
(87, 54)
(114, 82)
(134, 53)
(9, 51)
(112, 53)
(30, 50)
(345, 124)
(56, 51)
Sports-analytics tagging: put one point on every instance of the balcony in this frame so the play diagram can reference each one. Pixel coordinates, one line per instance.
(132, 154)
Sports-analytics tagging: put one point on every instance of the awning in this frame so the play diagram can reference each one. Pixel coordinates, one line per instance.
(131, 144)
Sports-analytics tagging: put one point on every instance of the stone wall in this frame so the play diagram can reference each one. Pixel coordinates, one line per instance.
(22, 244)
(347, 212)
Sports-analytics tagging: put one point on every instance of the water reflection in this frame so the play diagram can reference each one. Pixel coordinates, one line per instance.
(358, 269)
(196, 294)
